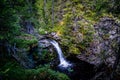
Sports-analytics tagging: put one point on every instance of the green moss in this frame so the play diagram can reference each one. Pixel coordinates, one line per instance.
(24, 41)
(12, 71)
(73, 49)
(42, 31)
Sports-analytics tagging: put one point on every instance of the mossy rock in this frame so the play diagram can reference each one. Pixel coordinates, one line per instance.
(25, 41)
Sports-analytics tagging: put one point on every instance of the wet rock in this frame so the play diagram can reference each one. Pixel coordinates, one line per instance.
(53, 36)
(44, 43)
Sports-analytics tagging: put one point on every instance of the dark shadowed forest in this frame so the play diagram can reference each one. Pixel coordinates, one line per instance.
(59, 40)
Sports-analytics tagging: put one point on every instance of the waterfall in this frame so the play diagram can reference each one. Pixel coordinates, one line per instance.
(63, 62)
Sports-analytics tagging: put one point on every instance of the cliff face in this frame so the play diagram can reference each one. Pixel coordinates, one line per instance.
(105, 44)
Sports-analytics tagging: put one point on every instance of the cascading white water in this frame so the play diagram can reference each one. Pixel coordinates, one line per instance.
(63, 62)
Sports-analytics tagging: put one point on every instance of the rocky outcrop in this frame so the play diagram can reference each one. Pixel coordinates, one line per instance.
(104, 46)
(53, 35)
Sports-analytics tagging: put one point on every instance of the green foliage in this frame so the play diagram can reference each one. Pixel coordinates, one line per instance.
(9, 26)
(42, 31)
(106, 6)
(43, 15)
(76, 26)
(12, 71)
(24, 41)
(76, 22)
(46, 56)
(73, 49)
(101, 5)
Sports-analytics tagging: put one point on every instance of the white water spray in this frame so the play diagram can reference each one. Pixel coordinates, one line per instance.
(63, 62)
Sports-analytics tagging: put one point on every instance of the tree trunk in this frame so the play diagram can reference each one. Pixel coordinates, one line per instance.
(52, 13)
(44, 6)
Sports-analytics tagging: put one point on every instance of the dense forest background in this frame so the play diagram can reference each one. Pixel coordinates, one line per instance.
(87, 30)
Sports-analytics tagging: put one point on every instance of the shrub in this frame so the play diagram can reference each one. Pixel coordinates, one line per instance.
(12, 71)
